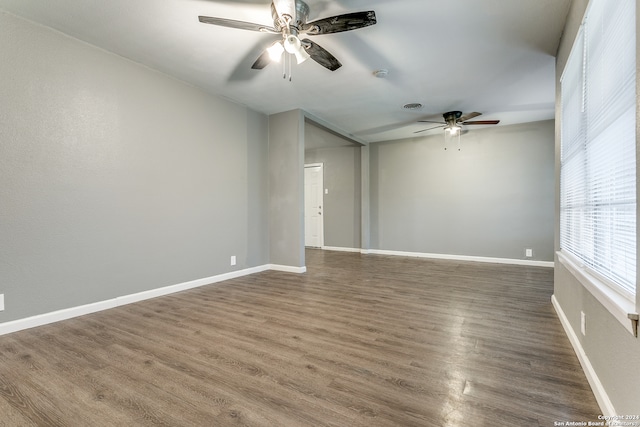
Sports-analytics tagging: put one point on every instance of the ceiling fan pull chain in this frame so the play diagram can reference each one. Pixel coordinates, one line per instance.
(284, 67)
(289, 67)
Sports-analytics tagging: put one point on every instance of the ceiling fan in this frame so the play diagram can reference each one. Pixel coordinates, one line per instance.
(290, 20)
(454, 119)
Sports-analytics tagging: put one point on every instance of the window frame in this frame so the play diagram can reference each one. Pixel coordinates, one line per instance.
(620, 302)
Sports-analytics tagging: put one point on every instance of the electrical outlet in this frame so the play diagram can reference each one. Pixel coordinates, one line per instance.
(528, 253)
(583, 323)
(1, 302)
(233, 260)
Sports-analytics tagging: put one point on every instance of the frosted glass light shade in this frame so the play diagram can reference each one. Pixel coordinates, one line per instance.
(275, 51)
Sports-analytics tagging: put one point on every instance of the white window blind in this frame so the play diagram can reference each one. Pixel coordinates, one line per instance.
(598, 161)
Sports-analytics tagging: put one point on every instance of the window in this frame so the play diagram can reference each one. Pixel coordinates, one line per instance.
(598, 146)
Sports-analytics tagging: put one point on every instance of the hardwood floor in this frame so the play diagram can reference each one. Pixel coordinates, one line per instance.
(359, 340)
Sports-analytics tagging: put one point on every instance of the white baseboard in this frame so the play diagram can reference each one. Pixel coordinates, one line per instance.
(531, 263)
(548, 264)
(596, 386)
(68, 313)
(341, 249)
(153, 293)
(287, 268)
(56, 316)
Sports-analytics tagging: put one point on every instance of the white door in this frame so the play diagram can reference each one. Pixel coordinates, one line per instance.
(313, 196)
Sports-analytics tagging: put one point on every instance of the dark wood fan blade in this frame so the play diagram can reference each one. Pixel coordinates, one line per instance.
(262, 61)
(435, 127)
(321, 55)
(482, 122)
(340, 23)
(469, 116)
(241, 25)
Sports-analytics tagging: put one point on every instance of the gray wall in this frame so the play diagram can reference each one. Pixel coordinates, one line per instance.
(116, 179)
(494, 198)
(286, 189)
(342, 179)
(613, 352)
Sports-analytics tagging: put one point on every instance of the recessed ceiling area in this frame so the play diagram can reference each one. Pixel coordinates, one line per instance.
(494, 57)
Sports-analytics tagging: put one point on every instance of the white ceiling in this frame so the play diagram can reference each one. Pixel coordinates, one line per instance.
(491, 56)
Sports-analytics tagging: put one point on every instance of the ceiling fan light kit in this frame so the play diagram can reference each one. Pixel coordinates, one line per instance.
(453, 130)
(290, 20)
(293, 45)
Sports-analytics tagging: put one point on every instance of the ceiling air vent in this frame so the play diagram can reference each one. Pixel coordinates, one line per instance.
(413, 106)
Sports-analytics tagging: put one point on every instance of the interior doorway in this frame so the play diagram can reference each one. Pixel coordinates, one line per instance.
(313, 205)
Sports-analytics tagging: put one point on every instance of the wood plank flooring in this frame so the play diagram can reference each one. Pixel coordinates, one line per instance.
(359, 340)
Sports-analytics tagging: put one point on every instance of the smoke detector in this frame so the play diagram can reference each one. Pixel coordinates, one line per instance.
(381, 74)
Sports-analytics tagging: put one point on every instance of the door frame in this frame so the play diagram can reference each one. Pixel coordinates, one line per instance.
(321, 198)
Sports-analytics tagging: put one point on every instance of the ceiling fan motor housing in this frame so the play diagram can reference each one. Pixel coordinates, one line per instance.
(301, 13)
(452, 116)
